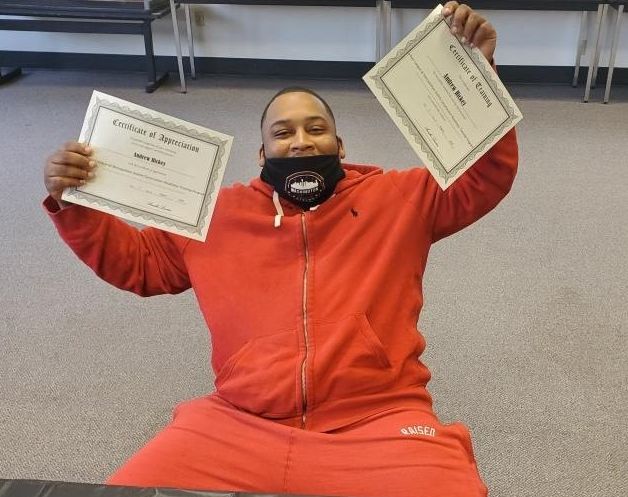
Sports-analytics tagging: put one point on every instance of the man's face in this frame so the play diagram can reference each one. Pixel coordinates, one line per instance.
(296, 125)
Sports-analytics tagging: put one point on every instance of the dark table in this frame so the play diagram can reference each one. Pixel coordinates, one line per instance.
(40, 488)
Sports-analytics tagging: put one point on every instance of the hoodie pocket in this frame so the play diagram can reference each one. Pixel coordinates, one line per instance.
(349, 360)
(261, 376)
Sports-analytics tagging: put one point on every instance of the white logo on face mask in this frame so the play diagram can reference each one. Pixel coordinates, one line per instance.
(305, 184)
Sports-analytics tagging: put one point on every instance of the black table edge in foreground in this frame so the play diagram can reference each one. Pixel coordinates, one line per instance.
(42, 488)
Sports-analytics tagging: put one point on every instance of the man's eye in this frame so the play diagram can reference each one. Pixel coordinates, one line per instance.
(281, 134)
(317, 129)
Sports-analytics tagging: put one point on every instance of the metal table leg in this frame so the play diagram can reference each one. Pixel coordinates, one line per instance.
(378, 31)
(154, 81)
(582, 44)
(601, 10)
(188, 23)
(596, 63)
(383, 29)
(177, 43)
(386, 10)
(611, 62)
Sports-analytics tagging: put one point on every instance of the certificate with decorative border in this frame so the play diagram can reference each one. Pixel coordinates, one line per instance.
(151, 168)
(444, 97)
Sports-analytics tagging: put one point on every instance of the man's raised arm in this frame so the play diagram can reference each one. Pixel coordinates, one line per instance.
(485, 183)
(482, 187)
(147, 262)
(476, 192)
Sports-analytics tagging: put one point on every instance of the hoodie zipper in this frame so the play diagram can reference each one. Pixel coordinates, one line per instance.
(305, 335)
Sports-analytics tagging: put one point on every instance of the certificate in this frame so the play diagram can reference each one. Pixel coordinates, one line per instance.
(151, 168)
(444, 97)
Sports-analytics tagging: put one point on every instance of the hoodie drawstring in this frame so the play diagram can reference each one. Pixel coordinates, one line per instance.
(278, 208)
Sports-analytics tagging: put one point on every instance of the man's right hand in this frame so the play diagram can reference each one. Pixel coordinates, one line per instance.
(71, 165)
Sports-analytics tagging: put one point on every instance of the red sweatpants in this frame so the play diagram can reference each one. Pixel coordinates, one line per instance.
(398, 453)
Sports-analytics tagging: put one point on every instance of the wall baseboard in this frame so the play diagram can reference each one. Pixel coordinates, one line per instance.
(275, 68)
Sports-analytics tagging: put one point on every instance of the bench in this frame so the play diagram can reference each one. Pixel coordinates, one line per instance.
(88, 16)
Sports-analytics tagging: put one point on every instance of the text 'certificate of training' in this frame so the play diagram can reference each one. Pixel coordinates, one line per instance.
(153, 169)
(444, 97)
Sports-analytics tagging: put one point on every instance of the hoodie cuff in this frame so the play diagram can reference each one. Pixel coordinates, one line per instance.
(51, 206)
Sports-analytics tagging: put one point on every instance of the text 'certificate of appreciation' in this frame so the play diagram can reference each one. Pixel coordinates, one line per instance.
(444, 97)
(153, 169)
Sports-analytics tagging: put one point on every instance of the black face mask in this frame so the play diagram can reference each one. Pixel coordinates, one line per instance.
(304, 181)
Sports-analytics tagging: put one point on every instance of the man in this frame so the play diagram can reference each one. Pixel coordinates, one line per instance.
(310, 281)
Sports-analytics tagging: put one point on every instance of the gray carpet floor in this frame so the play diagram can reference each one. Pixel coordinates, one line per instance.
(525, 316)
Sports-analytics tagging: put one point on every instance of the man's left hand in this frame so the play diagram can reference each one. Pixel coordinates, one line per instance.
(471, 28)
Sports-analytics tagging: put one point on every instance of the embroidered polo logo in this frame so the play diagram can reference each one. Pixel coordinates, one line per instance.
(419, 430)
(354, 212)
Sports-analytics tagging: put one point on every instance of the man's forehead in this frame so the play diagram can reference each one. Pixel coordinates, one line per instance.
(296, 104)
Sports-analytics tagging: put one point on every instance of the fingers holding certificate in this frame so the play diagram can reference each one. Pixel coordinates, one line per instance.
(151, 168)
(440, 90)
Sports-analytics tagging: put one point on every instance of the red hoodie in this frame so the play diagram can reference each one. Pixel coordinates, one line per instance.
(313, 323)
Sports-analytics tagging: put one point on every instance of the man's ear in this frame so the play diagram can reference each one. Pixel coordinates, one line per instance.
(341, 148)
(261, 160)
